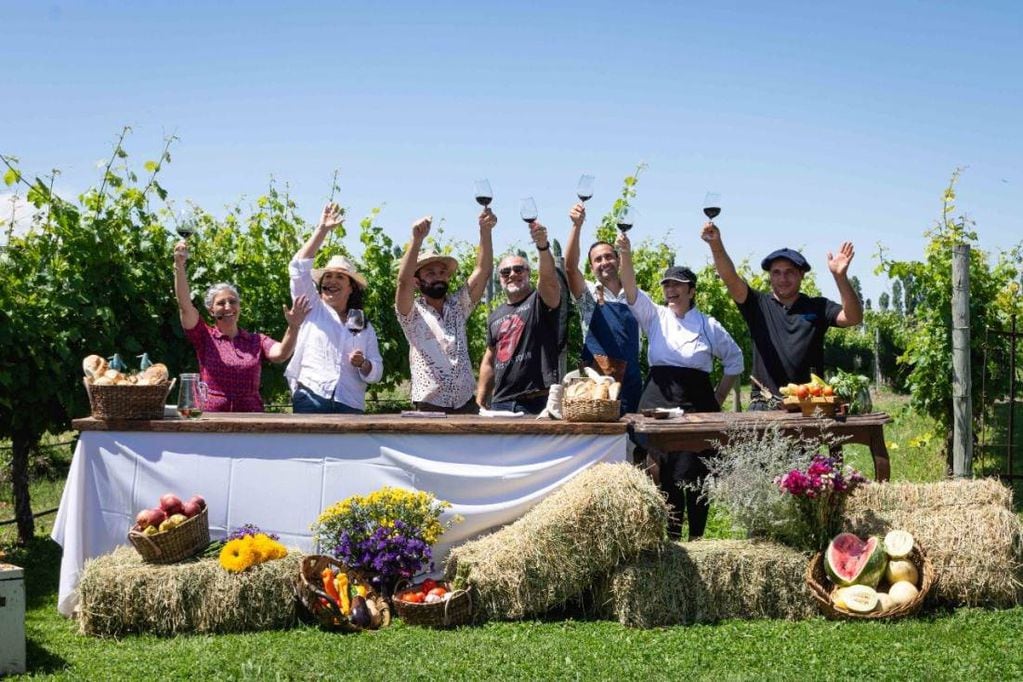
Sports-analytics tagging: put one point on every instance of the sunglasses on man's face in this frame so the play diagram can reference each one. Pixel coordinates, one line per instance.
(517, 269)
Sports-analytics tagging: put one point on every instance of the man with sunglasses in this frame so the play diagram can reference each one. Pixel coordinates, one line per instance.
(434, 322)
(521, 361)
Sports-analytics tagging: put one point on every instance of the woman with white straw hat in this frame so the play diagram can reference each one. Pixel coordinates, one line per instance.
(336, 355)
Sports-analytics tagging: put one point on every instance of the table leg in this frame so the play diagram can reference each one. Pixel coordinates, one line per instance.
(879, 451)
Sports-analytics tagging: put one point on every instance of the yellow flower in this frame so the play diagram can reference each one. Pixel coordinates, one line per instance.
(237, 555)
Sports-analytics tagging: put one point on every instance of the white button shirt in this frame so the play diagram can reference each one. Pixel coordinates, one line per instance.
(324, 344)
(691, 341)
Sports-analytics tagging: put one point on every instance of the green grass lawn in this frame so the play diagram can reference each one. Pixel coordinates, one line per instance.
(959, 644)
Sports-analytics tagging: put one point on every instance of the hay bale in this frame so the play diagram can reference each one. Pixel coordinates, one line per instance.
(708, 581)
(119, 594)
(966, 527)
(607, 514)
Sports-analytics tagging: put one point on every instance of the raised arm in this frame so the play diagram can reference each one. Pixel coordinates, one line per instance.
(738, 289)
(186, 309)
(484, 257)
(852, 310)
(626, 270)
(485, 384)
(332, 216)
(576, 282)
(547, 282)
(405, 294)
(282, 350)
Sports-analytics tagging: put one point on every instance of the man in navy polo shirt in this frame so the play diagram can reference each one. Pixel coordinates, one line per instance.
(786, 325)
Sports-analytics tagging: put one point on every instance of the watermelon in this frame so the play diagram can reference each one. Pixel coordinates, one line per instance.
(852, 561)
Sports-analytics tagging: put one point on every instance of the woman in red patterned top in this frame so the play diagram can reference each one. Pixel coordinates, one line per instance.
(230, 357)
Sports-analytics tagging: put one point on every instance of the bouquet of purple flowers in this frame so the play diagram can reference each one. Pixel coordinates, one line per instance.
(819, 493)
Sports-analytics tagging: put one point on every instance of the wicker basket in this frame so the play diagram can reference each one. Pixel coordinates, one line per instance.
(591, 410)
(453, 611)
(173, 545)
(128, 401)
(320, 607)
(822, 589)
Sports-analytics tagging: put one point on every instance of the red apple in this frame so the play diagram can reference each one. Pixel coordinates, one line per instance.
(198, 500)
(190, 508)
(170, 504)
(150, 517)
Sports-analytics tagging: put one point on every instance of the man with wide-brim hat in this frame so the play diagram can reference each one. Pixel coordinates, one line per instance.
(434, 322)
(786, 325)
(337, 355)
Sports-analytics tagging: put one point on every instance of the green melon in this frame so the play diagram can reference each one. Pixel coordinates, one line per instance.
(852, 561)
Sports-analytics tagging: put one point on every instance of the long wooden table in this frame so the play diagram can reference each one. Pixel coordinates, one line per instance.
(697, 431)
(280, 471)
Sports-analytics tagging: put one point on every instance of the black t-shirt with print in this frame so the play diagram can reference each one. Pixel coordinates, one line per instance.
(524, 341)
(787, 343)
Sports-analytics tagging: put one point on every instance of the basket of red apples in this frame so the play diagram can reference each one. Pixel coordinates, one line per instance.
(172, 531)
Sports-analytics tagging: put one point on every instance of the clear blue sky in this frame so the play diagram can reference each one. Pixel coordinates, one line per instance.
(817, 122)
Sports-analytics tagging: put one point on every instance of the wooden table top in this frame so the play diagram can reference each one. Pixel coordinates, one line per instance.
(721, 421)
(259, 422)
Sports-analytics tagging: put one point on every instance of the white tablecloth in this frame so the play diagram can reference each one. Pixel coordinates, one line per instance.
(281, 481)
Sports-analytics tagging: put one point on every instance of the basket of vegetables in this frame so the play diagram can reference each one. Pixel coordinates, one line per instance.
(339, 598)
(433, 604)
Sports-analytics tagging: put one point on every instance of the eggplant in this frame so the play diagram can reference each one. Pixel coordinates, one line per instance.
(360, 613)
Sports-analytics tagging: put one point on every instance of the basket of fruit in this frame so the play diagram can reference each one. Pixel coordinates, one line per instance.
(872, 579)
(811, 398)
(592, 400)
(339, 598)
(434, 604)
(116, 394)
(173, 531)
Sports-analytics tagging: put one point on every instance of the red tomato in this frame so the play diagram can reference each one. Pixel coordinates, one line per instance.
(427, 585)
(415, 597)
(803, 392)
(438, 591)
(815, 390)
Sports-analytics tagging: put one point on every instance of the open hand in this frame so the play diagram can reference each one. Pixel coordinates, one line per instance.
(839, 262)
(333, 215)
(299, 309)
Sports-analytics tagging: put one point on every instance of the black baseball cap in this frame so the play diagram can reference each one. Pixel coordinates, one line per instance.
(788, 254)
(679, 273)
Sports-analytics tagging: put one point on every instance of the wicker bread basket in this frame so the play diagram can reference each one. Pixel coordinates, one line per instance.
(170, 546)
(450, 612)
(321, 608)
(591, 410)
(128, 401)
(822, 589)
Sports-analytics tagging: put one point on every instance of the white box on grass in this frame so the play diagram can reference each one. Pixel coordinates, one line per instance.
(12, 619)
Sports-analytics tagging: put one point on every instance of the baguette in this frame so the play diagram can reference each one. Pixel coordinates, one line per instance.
(614, 390)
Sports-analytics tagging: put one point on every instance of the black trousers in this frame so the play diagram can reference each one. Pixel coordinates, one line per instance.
(681, 474)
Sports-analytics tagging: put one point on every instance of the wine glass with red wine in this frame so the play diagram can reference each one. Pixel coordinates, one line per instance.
(356, 321)
(527, 210)
(585, 188)
(185, 225)
(484, 195)
(626, 219)
(712, 205)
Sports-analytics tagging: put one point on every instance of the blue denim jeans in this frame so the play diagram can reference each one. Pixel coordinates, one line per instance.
(527, 405)
(305, 401)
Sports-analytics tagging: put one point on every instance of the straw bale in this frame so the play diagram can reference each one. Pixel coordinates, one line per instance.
(707, 581)
(119, 594)
(607, 514)
(967, 528)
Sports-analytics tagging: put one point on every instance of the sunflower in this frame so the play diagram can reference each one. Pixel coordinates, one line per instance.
(237, 555)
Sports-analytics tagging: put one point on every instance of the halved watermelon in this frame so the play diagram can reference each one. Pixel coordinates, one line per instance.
(852, 561)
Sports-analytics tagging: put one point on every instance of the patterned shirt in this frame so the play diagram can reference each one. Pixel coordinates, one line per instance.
(230, 367)
(438, 353)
